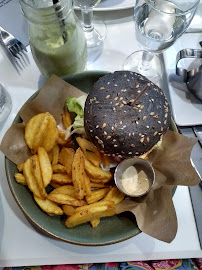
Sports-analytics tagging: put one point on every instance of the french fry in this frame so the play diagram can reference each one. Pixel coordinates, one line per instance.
(90, 151)
(78, 174)
(58, 168)
(96, 195)
(41, 131)
(90, 212)
(55, 185)
(87, 184)
(61, 178)
(61, 138)
(97, 172)
(66, 189)
(48, 206)
(45, 165)
(114, 195)
(105, 160)
(98, 181)
(66, 119)
(55, 154)
(66, 158)
(98, 185)
(38, 175)
(30, 178)
(95, 222)
(20, 178)
(65, 199)
(68, 209)
(20, 167)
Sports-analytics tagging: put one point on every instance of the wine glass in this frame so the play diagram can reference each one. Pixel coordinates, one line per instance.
(95, 31)
(158, 23)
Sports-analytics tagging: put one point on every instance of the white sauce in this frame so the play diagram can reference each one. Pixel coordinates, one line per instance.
(135, 181)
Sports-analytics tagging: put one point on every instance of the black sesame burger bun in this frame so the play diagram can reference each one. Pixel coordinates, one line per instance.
(126, 114)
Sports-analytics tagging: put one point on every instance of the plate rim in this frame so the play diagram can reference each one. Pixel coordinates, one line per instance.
(113, 8)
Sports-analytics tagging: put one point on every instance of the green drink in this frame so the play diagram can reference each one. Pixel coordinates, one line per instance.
(53, 53)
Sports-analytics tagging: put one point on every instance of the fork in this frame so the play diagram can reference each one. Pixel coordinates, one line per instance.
(12, 44)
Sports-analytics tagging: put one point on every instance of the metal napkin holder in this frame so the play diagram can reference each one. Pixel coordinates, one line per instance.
(193, 78)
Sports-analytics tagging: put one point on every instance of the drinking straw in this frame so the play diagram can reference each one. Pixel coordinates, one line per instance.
(61, 21)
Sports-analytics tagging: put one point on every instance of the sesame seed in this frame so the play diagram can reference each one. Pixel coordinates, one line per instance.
(104, 125)
(108, 137)
(137, 86)
(97, 126)
(147, 126)
(121, 105)
(124, 102)
(166, 115)
(115, 98)
(161, 128)
(124, 75)
(155, 133)
(102, 88)
(115, 145)
(147, 139)
(135, 108)
(144, 117)
(115, 85)
(132, 100)
(165, 122)
(96, 137)
(159, 122)
(121, 98)
(116, 104)
(107, 97)
(156, 116)
(129, 153)
(152, 113)
(142, 140)
(121, 122)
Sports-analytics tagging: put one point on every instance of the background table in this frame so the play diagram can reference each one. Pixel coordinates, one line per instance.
(20, 242)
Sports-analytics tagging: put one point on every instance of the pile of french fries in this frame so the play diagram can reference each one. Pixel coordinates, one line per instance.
(80, 188)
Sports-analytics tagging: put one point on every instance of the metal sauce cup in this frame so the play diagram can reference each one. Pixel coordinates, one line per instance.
(126, 163)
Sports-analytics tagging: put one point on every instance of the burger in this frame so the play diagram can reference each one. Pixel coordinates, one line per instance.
(125, 114)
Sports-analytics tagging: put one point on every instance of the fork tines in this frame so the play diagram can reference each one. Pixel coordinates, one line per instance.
(17, 48)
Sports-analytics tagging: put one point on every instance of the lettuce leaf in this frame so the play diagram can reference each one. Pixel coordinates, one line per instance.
(76, 105)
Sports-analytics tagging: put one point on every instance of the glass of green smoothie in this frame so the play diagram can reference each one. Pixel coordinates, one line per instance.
(56, 37)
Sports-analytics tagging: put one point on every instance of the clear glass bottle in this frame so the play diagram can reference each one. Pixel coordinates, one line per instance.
(57, 40)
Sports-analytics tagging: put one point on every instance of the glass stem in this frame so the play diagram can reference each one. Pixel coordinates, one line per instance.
(146, 60)
(87, 18)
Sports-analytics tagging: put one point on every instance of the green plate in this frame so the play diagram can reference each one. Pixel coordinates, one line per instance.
(111, 230)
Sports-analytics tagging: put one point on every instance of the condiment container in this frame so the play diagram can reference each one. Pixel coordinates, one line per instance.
(56, 37)
(134, 177)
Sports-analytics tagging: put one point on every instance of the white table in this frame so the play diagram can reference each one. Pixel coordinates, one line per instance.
(20, 242)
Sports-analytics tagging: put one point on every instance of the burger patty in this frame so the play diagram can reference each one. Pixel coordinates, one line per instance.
(126, 114)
